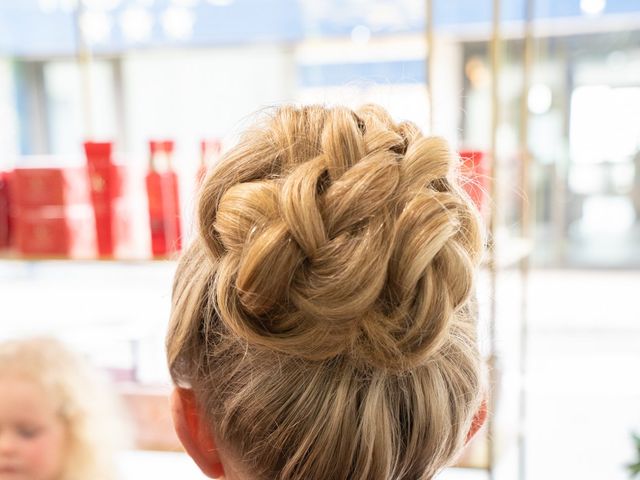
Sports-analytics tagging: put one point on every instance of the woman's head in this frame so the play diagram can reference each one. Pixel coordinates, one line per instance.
(323, 317)
(56, 419)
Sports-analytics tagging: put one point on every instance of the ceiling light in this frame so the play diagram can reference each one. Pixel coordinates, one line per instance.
(68, 6)
(136, 24)
(593, 7)
(360, 34)
(539, 99)
(178, 23)
(185, 3)
(95, 26)
(47, 6)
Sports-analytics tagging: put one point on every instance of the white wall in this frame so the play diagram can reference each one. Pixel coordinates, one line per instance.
(195, 94)
(447, 89)
(408, 101)
(9, 139)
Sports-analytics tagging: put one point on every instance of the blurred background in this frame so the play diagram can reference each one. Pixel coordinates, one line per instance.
(111, 110)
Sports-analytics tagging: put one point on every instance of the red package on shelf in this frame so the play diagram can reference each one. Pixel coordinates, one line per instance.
(35, 187)
(56, 231)
(5, 216)
(475, 171)
(163, 197)
(106, 185)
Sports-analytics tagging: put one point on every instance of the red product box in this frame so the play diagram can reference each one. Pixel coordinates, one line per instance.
(5, 215)
(56, 231)
(36, 187)
(475, 171)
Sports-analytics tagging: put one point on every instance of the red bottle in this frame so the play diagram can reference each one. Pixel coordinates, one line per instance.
(209, 154)
(105, 184)
(164, 205)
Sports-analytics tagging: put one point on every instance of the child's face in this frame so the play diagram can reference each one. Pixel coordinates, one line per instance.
(33, 438)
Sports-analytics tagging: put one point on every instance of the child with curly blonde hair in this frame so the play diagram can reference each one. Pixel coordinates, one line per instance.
(322, 324)
(58, 421)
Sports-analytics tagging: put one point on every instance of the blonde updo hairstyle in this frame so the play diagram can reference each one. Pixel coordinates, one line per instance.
(323, 316)
(83, 400)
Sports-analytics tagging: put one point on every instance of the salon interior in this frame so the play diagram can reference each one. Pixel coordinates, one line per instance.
(541, 98)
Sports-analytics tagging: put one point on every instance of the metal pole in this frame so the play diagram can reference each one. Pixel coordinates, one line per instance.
(430, 59)
(527, 207)
(84, 59)
(493, 221)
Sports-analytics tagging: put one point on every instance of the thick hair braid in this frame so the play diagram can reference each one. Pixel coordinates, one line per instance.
(359, 244)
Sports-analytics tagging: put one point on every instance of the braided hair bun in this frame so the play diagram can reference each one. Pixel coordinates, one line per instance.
(340, 233)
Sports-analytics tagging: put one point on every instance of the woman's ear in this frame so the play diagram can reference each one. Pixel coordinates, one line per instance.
(194, 432)
(478, 420)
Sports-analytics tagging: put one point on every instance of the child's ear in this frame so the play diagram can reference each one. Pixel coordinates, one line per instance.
(478, 420)
(194, 432)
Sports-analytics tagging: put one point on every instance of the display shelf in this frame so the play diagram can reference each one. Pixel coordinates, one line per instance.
(16, 257)
(508, 255)
(510, 252)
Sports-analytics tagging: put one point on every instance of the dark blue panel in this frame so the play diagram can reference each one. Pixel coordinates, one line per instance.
(244, 21)
(249, 20)
(454, 12)
(623, 6)
(339, 17)
(462, 11)
(571, 8)
(24, 30)
(413, 71)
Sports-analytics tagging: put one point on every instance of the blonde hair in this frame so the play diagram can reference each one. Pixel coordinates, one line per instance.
(85, 404)
(323, 314)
